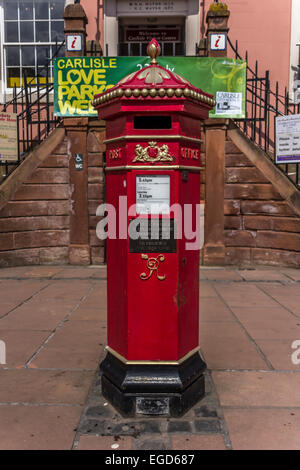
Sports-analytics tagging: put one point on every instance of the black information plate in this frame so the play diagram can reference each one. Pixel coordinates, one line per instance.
(152, 236)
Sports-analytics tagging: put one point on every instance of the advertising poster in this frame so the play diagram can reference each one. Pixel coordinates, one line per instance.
(78, 79)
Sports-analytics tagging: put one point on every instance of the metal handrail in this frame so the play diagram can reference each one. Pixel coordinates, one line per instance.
(263, 105)
(34, 110)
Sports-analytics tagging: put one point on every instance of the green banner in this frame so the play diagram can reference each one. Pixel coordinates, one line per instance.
(78, 79)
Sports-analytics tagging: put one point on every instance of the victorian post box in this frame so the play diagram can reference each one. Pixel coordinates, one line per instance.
(153, 364)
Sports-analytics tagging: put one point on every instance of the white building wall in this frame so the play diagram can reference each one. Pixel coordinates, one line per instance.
(110, 28)
(192, 27)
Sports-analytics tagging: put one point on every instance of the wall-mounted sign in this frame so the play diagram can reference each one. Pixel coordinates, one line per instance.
(145, 35)
(217, 42)
(78, 79)
(78, 161)
(153, 194)
(288, 139)
(74, 42)
(8, 137)
(133, 7)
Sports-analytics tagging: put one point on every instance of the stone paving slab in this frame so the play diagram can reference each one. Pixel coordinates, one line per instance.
(279, 353)
(266, 275)
(264, 429)
(22, 346)
(244, 294)
(36, 386)
(15, 292)
(14, 273)
(36, 316)
(263, 388)
(214, 310)
(239, 351)
(217, 275)
(53, 322)
(77, 344)
(272, 328)
(293, 274)
(286, 296)
(38, 427)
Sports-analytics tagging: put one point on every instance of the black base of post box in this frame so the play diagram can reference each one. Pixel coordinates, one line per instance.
(167, 390)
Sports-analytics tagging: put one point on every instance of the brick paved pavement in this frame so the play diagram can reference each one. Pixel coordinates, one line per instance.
(53, 322)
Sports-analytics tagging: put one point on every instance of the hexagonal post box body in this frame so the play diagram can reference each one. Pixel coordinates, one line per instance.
(153, 158)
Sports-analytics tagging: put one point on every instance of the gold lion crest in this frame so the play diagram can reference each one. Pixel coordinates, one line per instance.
(152, 153)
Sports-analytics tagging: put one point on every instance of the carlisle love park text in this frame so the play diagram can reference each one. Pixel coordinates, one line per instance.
(77, 80)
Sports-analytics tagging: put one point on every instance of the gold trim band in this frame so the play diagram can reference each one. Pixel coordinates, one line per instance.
(153, 167)
(150, 363)
(158, 137)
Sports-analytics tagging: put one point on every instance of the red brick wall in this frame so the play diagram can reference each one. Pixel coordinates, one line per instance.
(34, 224)
(260, 227)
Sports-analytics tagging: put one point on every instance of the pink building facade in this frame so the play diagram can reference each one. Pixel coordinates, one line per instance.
(269, 31)
(30, 29)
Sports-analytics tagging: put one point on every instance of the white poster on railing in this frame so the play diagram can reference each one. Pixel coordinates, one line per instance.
(229, 103)
(8, 137)
(288, 139)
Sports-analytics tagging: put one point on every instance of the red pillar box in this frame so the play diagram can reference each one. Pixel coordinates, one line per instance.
(153, 365)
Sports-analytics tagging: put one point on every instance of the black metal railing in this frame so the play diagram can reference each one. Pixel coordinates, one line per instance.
(263, 105)
(33, 105)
